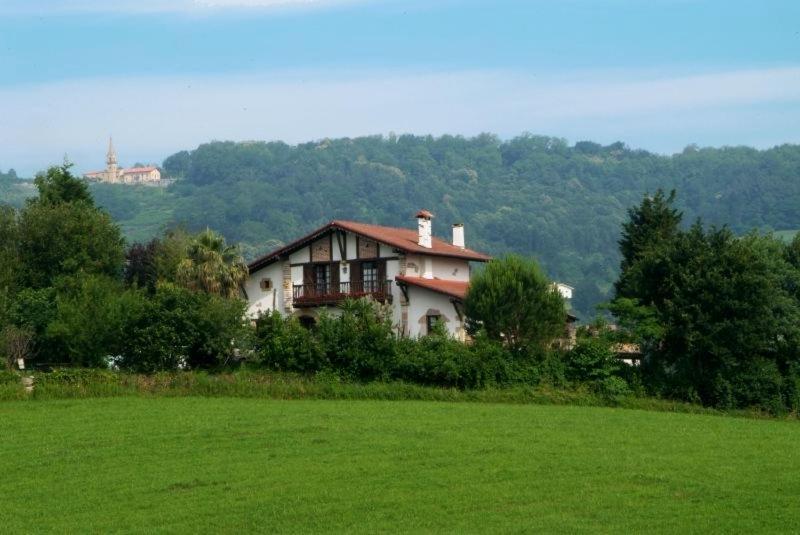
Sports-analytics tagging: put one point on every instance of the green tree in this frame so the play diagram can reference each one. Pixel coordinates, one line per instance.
(57, 185)
(61, 232)
(89, 321)
(9, 261)
(513, 301)
(65, 239)
(178, 328)
(212, 266)
(651, 226)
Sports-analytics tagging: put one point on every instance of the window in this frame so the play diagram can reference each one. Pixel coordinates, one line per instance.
(266, 284)
(431, 320)
(369, 274)
(322, 278)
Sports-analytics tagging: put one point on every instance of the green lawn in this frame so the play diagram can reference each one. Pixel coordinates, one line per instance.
(234, 465)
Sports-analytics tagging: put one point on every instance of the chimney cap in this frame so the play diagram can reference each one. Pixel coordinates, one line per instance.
(424, 214)
(458, 224)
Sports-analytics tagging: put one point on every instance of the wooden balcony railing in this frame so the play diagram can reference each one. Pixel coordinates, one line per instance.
(315, 294)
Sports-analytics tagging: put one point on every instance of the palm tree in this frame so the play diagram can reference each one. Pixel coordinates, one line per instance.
(212, 266)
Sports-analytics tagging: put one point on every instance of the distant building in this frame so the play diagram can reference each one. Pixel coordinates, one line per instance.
(132, 175)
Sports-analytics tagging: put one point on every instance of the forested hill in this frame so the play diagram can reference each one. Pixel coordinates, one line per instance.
(531, 195)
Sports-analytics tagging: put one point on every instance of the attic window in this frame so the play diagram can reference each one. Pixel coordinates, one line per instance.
(266, 284)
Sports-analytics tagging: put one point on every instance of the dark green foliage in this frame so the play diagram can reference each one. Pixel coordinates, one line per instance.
(66, 239)
(9, 261)
(91, 312)
(141, 269)
(651, 226)
(57, 186)
(717, 316)
(514, 303)
(36, 309)
(180, 328)
(284, 344)
(359, 343)
(61, 233)
(592, 359)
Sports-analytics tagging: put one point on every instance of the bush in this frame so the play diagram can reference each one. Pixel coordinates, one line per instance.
(613, 387)
(591, 360)
(285, 345)
(360, 343)
(178, 328)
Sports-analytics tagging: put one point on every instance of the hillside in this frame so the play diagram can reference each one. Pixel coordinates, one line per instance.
(532, 195)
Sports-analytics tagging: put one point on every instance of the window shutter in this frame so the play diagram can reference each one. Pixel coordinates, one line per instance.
(381, 272)
(335, 277)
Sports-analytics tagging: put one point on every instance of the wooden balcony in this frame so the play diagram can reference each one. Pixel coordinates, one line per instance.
(321, 294)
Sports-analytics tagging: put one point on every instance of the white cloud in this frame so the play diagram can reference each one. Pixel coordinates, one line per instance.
(152, 117)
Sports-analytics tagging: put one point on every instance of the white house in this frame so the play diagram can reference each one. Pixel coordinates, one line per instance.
(423, 278)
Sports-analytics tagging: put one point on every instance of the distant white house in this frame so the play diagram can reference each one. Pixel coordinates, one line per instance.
(423, 278)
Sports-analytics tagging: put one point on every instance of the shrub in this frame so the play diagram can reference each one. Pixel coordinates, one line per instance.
(284, 344)
(360, 343)
(178, 328)
(613, 387)
(591, 360)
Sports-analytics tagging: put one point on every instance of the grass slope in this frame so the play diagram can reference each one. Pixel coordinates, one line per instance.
(221, 464)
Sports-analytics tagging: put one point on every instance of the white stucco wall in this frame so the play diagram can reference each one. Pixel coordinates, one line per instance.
(420, 302)
(351, 246)
(450, 269)
(263, 301)
(385, 251)
(300, 256)
(441, 267)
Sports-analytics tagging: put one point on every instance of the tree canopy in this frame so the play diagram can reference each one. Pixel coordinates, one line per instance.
(514, 302)
(717, 316)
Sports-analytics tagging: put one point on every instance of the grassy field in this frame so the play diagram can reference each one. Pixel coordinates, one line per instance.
(222, 464)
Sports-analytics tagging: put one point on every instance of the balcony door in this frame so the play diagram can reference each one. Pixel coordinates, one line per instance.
(369, 274)
(321, 278)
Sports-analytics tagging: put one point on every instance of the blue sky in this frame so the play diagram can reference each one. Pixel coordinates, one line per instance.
(167, 75)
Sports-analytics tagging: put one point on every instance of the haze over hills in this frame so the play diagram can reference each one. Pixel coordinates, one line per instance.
(532, 195)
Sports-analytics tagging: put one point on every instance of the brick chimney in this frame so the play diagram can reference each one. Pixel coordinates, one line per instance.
(424, 224)
(458, 235)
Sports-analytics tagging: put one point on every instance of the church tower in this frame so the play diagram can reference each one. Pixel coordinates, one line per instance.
(111, 162)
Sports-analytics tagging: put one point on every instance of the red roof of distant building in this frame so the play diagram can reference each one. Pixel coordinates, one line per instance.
(145, 169)
(404, 239)
(456, 289)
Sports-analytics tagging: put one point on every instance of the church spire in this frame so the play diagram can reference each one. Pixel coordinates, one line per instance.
(111, 155)
(112, 172)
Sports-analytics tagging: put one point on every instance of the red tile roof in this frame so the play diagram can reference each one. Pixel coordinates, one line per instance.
(146, 169)
(404, 239)
(457, 289)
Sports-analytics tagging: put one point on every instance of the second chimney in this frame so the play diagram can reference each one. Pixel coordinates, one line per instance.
(458, 235)
(424, 223)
